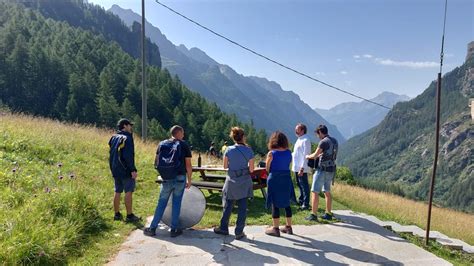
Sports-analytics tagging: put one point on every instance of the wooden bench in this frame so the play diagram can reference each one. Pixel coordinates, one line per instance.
(212, 182)
(213, 177)
(200, 184)
(213, 185)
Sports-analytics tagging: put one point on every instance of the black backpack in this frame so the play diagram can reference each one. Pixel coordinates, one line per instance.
(169, 159)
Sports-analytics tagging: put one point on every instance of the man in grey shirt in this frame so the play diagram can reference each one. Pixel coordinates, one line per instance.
(322, 179)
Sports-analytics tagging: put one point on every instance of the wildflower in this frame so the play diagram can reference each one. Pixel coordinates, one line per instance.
(60, 165)
(60, 177)
(47, 190)
(71, 176)
(14, 170)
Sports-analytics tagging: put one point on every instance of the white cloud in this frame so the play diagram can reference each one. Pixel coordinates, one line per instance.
(356, 56)
(409, 64)
(367, 56)
(339, 60)
(343, 72)
(320, 74)
(348, 83)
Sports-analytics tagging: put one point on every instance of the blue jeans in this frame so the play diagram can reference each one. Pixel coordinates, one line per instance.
(175, 186)
(303, 185)
(241, 216)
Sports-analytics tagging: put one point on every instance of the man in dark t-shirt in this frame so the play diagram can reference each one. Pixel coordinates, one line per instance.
(322, 179)
(173, 186)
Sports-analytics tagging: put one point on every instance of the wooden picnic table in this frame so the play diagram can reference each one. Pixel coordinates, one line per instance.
(212, 178)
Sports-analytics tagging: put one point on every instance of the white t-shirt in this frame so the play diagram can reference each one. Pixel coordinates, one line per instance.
(300, 150)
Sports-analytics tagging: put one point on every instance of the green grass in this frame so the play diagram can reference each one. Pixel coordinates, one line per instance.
(257, 213)
(48, 220)
(56, 194)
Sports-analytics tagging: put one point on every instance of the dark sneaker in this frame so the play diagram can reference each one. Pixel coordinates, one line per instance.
(287, 230)
(149, 231)
(175, 232)
(118, 216)
(327, 216)
(273, 231)
(240, 236)
(311, 217)
(131, 218)
(219, 231)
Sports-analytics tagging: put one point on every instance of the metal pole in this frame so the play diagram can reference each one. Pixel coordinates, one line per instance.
(435, 163)
(438, 111)
(144, 96)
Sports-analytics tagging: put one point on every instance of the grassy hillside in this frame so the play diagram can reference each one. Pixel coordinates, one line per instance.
(56, 196)
(56, 193)
(51, 213)
(391, 207)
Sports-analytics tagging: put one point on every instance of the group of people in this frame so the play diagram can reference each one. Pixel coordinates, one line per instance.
(213, 152)
(173, 161)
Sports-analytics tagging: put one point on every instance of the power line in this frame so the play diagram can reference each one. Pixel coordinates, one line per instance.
(269, 59)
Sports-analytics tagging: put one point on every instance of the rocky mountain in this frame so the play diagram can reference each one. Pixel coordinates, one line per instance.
(397, 155)
(366, 114)
(259, 101)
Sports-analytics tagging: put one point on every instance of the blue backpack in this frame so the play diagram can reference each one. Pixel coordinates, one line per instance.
(169, 159)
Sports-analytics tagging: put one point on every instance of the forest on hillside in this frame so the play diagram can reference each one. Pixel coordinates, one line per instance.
(52, 69)
(397, 155)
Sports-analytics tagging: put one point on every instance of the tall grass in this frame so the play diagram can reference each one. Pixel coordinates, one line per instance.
(56, 190)
(56, 196)
(391, 207)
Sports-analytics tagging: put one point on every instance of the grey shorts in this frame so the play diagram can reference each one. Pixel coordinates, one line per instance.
(124, 184)
(322, 180)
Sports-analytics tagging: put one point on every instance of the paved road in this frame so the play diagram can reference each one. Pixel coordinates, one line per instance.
(351, 242)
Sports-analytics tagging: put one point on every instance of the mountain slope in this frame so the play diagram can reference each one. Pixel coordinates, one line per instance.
(397, 154)
(366, 114)
(234, 93)
(78, 13)
(49, 68)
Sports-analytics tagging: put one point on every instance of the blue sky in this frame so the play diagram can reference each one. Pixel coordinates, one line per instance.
(363, 46)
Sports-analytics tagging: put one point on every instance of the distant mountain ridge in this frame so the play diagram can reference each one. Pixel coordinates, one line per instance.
(257, 100)
(365, 113)
(397, 155)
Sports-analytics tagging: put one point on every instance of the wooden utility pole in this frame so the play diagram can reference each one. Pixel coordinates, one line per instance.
(438, 117)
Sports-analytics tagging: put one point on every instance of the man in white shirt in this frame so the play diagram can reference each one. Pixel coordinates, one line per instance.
(300, 167)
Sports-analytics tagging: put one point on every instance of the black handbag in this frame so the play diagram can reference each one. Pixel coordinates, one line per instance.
(313, 163)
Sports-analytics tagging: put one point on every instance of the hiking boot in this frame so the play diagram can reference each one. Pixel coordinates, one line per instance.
(240, 236)
(311, 217)
(131, 218)
(175, 232)
(149, 231)
(273, 231)
(286, 229)
(118, 216)
(327, 216)
(219, 231)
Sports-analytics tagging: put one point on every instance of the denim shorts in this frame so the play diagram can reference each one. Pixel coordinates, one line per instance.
(322, 180)
(124, 184)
